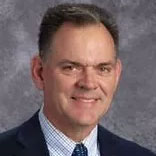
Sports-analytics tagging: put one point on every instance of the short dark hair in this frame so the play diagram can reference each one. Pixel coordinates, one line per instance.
(79, 14)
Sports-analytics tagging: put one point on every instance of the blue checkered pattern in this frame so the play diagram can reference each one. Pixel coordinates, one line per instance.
(60, 145)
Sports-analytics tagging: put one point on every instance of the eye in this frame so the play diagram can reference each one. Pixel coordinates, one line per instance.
(69, 67)
(105, 69)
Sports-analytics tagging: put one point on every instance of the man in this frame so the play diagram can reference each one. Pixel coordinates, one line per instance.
(78, 70)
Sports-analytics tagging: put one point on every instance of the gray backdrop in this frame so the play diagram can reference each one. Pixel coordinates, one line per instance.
(133, 113)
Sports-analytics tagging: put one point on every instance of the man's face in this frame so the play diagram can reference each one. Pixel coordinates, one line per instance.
(80, 75)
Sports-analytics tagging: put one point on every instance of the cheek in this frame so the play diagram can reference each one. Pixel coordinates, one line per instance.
(108, 86)
(64, 84)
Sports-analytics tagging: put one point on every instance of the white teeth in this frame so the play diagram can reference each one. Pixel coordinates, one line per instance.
(86, 100)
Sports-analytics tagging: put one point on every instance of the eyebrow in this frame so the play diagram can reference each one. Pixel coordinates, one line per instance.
(66, 61)
(109, 63)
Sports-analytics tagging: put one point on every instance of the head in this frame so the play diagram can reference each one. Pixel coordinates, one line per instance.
(78, 14)
(78, 67)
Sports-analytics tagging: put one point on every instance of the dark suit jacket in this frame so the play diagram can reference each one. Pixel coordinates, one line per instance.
(28, 140)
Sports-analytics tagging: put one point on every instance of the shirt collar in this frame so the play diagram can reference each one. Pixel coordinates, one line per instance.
(58, 142)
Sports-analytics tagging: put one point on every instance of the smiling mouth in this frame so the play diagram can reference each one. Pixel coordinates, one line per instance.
(86, 100)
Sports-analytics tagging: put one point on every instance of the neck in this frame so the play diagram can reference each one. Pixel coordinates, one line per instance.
(73, 131)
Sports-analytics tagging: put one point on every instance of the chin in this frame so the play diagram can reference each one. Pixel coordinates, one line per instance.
(86, 120)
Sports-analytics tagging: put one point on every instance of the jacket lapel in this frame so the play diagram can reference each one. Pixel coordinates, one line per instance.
(106, 141)
(30, 139)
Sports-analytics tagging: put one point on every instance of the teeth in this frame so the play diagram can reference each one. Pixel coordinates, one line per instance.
(85, 100)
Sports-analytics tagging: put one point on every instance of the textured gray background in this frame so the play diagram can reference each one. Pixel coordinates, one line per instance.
(133, 113)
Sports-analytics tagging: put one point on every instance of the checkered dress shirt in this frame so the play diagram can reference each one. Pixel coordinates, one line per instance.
(60, 145)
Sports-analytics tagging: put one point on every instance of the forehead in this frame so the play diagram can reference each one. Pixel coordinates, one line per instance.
(85, 44)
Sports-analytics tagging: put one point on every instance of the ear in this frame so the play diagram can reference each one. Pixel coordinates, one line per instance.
(118, 71)
(37, 72)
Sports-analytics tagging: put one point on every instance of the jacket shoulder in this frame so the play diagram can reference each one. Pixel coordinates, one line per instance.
(8, 136)
(8, 141)
(123, 146)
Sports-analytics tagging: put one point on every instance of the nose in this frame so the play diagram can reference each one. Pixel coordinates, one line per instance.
(87, 80)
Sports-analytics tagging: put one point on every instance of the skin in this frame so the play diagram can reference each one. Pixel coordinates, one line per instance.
(78, 79)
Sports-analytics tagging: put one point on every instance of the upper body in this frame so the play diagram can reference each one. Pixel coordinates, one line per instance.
(78, 70)
(29, 140)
